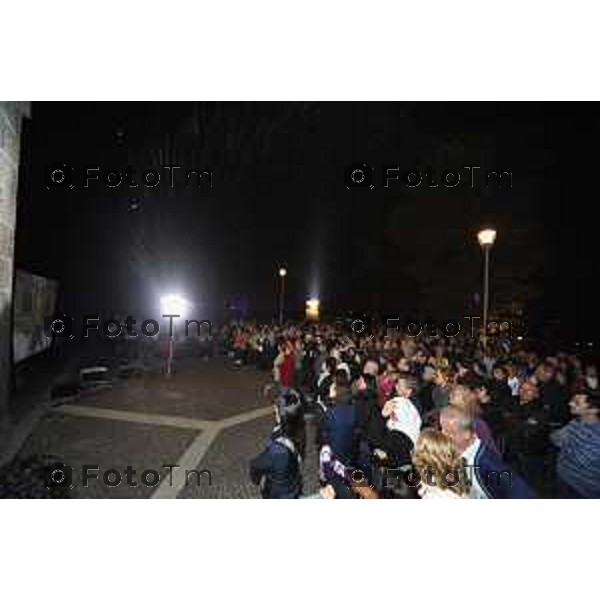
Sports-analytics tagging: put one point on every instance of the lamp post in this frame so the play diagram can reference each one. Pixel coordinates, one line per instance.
(486, 239)
(282, 275)
(173, 305)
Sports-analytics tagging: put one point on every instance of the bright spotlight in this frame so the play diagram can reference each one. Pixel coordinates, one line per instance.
(312, 309)
(174, 304)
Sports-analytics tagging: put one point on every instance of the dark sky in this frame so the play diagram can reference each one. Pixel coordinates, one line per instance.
(278, 196)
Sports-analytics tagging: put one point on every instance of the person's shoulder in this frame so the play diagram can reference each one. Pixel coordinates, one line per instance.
(487, 456)
(278, 446)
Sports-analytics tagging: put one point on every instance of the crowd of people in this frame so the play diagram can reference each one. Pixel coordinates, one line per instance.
(398, 416)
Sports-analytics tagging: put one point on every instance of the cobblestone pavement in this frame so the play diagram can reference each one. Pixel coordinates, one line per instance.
(208, 416)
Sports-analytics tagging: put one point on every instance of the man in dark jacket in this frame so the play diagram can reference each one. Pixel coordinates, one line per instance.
(378, 444)
(490, 476)
(339, 437)
(500, 390)
(553, 396)
(527, 435)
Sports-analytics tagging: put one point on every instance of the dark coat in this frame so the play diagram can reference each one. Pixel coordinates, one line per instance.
(277, 469)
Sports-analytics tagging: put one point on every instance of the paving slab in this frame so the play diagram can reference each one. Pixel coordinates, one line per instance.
(229, 456)
(109, 444)
(206, 391)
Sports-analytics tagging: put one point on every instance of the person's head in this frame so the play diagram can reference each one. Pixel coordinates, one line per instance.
(402, 365)
(460, 368)
(406, 385)
(528, 392)
(390, 367)
(428, 374)
(458, 425)
(591, 376)
(462, 397)
(289, 413)
(441, 376)
(438, 461)
(481, 390)
(499, 373)
(421, 357)
(371, 367)
(586, 405)
(546, 373)
(369, 382)
(330, 365)
(341, 384)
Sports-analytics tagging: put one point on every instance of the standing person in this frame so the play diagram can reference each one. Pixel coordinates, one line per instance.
(501, 392)
(440, 468)
(379, 446)
(578, 465)
(401, 412)
(463, 398)
(277, 362)
(490, 412)
(240, 347)
(419, 363)
(325, 380)
(441, 390)
(277, 470)
(284, 368)
(512, 380)
(527, 433)
(425, 392)
(490, 477)
(553, 395)
(339, 450)
(591, 377)
(371, 424)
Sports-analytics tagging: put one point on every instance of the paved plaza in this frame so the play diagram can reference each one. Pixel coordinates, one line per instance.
(207, 417)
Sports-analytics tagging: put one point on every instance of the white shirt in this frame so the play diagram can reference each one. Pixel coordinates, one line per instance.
(514, 384)
(428, 492)
(405, 418)
(476, 491)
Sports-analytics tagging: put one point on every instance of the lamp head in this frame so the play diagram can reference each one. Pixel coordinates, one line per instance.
(486, 237)
(174, 304)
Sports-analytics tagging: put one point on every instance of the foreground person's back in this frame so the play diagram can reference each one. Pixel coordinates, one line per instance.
(277, 470)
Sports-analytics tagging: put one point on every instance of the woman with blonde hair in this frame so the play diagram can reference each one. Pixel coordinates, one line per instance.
(440, 467)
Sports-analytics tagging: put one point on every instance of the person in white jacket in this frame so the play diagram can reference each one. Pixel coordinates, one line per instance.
(401, 413)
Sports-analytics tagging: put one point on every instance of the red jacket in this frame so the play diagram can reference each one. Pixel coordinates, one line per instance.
(286, 371)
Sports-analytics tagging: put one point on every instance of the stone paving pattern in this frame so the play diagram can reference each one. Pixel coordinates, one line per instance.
(108, 444)
(210, 391)
(228, 459)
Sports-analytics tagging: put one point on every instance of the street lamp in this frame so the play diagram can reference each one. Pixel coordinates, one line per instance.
(486, 239)
(282, 274)
(172, 305)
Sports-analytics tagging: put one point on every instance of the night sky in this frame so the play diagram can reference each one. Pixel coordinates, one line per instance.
(278, 197)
